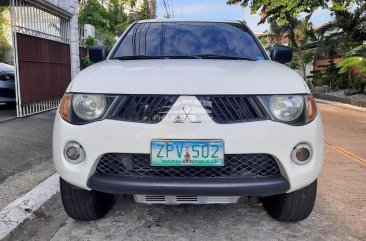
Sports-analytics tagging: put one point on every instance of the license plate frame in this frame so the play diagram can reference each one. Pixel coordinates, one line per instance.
(201, 153)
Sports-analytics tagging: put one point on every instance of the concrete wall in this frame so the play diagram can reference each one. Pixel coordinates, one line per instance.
(309, 68)
(71, 6)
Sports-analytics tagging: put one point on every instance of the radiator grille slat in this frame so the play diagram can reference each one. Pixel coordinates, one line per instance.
(233, 109)
(142, 108)
(236, 166)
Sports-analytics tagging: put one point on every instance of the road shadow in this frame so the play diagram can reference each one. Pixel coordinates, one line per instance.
(7, 112)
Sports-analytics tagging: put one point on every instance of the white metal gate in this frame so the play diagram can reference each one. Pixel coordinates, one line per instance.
(42, 59)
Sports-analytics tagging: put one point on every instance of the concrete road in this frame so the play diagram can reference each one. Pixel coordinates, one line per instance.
(25, 154)
(339, 214)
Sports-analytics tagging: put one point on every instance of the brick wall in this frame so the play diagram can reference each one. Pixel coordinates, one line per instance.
(319, 62)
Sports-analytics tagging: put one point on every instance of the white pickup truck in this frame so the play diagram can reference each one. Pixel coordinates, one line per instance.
(188, 112)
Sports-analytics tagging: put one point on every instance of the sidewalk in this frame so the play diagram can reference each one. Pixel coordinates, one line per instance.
(349, 101)
(341, 105)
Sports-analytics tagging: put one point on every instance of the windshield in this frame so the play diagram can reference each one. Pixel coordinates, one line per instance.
(189, 40)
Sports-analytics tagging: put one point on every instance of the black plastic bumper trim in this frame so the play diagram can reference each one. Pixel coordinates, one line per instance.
(266, 186)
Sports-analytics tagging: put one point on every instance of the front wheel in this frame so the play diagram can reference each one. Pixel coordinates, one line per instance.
(292, 207)
(84, 205)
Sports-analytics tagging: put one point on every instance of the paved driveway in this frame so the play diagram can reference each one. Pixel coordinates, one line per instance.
(7, 112)
(25, 154)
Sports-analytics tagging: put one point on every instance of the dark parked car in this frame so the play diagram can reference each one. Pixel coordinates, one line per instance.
(7, 83)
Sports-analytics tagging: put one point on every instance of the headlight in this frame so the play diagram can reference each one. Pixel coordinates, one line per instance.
(293, 110)
(89, 107)
(81, 109)
(286, 108)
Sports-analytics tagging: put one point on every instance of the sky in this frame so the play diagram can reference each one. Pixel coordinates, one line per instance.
(217, 9)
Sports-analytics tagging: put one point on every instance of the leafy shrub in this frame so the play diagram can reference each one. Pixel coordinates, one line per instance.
(329, 75)
(355, 59)
(89, 42)
(295, 63)
(87, 62)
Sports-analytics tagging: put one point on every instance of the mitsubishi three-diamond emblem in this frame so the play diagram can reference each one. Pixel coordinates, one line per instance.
(181, 118)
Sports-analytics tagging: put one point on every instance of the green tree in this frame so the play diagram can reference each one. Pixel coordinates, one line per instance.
(264, 40)
(355, 59)
(295, 63)
(307, 57)
(277, 32)
(4, 45)
(144, 12)
(346, 31)
(281, 11)
(109, 19)
(285, 13)
(303, 32)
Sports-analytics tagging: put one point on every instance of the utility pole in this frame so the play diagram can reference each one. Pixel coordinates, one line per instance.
(151, 7)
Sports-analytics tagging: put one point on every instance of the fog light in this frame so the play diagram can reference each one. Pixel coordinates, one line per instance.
(301, 154)
(74, 152)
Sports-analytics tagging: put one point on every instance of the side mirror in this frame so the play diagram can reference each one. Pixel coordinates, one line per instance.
(98, 53)
(281, 55)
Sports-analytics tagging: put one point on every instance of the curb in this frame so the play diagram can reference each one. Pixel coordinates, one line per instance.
(340, 105)
(22, 208)
(8, 120)
(338, 99)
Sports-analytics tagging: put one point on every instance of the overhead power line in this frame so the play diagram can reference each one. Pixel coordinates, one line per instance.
(172, 8)
(166, 7)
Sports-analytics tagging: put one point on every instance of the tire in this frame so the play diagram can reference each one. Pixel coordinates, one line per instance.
(292, 207)
(84, 205)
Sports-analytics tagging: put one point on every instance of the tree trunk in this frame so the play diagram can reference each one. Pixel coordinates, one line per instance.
(304, 71)
(303, 66)
(151, 6)
(297, 48)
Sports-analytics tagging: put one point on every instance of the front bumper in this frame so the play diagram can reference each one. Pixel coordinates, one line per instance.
(7, 100)
(190, 186)
(112, 136)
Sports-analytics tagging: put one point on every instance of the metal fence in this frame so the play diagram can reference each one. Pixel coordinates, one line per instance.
(30, 19)
(42, 56)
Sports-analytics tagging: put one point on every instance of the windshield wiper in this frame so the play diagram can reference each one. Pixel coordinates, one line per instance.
(137, 57)
(133, 57)
(198, 56)
(181, 57)
(217, 56)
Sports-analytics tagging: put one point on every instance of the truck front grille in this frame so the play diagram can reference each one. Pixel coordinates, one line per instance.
(236, 166)
(233, 109)
(142, 108)
(152, 109)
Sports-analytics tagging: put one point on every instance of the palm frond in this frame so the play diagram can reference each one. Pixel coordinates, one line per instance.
(351, 62)
(357, 51)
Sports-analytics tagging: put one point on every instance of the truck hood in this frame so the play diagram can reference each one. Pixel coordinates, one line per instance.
(188, 77)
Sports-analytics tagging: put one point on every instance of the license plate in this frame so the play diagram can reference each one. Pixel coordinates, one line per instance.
(187, 153)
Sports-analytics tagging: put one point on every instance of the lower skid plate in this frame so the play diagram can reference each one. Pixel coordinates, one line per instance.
(176, 200)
